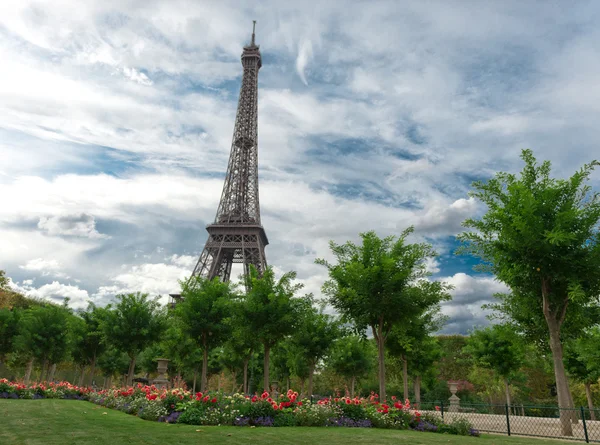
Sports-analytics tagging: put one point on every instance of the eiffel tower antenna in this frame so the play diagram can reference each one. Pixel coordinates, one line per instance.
(236, 235)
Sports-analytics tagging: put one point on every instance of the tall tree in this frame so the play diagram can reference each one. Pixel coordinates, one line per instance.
(203, 313)
(407, 338)
(270, 310)
(132, 324)
(582, 360)
(9, 329)
(540, 237)
(314, 337)
(43, 335)
(352, 357)
(381, 283)
(89, 338)
(500, 349)
(242, 342)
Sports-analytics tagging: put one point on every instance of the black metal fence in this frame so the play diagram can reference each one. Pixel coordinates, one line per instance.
(524, 420)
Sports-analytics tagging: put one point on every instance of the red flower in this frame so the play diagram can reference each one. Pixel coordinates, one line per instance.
(265, 395)
(254, 398)
(214, 400)
(348, 402)
(437, 408)
(299, 403)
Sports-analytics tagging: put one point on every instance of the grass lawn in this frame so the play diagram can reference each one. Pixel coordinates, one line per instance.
(75, 422)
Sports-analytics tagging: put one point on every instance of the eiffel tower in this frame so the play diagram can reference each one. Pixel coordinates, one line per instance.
(236, 235)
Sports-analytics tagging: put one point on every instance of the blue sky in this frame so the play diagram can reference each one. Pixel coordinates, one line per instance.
(116, 122)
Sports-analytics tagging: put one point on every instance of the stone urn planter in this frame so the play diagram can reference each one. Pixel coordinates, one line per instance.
(454, 399)
(161, 380)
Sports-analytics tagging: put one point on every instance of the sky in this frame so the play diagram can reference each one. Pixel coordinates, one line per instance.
(116, 120)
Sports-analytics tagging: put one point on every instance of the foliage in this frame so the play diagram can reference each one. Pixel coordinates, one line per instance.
(497, 348)
(132, 324)
(43, 333)
(381, 283)
(540, 237)
(270, 309)
(353, 357)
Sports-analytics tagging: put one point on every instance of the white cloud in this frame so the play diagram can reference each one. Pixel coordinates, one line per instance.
(305, 53)
(136, 76)
(39, 264)
(56, 292)
(83, 225)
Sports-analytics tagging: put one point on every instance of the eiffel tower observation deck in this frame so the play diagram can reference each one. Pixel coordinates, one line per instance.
(236, 235)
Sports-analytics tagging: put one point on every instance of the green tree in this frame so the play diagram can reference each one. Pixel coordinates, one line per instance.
(43, 335)
(381, 283)
(88, 339)
(352, 357)
(421, 361)
(242, 343)
(132, 324)
(540, 237)
(111, 362)
(582, 360)
(407, 338)
(500, 349)
(9, 329)
(314, 337)
(270, 309)
(203, 314)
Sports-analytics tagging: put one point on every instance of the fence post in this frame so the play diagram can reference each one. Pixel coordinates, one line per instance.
(442, 407)
(507, 418)
(587, 439)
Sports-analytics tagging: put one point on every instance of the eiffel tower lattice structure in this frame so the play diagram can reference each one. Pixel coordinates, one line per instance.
(236, 235)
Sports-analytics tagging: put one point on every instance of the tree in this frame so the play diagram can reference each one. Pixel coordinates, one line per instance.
(582, 360)
(89, 339)
(203, 314)
(500, 349)
(9, 329)
(540, 237)
(242, 342)
(352, 358)
(381, 283)
(43, 335)
(313, 337)
(270, 310)
(407, 338)
(421, 360)
(132, 324)
(111, 362)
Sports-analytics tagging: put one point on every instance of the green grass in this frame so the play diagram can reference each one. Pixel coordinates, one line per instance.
(65, 422)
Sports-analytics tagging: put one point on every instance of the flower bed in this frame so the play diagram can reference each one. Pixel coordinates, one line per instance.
(182, 406)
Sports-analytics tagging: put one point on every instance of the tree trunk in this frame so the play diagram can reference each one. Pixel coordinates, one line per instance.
(378, 334)
(562, 386)
(131, 371)
(417, 387)
(92, 370)
(266, 368)
(588, 395)
(507, 391)
(246, 375)
(28, 371)
(234, 384)
(405, 375)
(203, 379)
(573, 411)
(301, 388)
(352, 383)
(195, 378)
(44, 371)
(109, 383)
(81, 376)
(52, 372)
(219, 382)
(311, 371)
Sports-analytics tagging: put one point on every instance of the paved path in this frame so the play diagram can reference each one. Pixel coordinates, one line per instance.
(526, 426)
